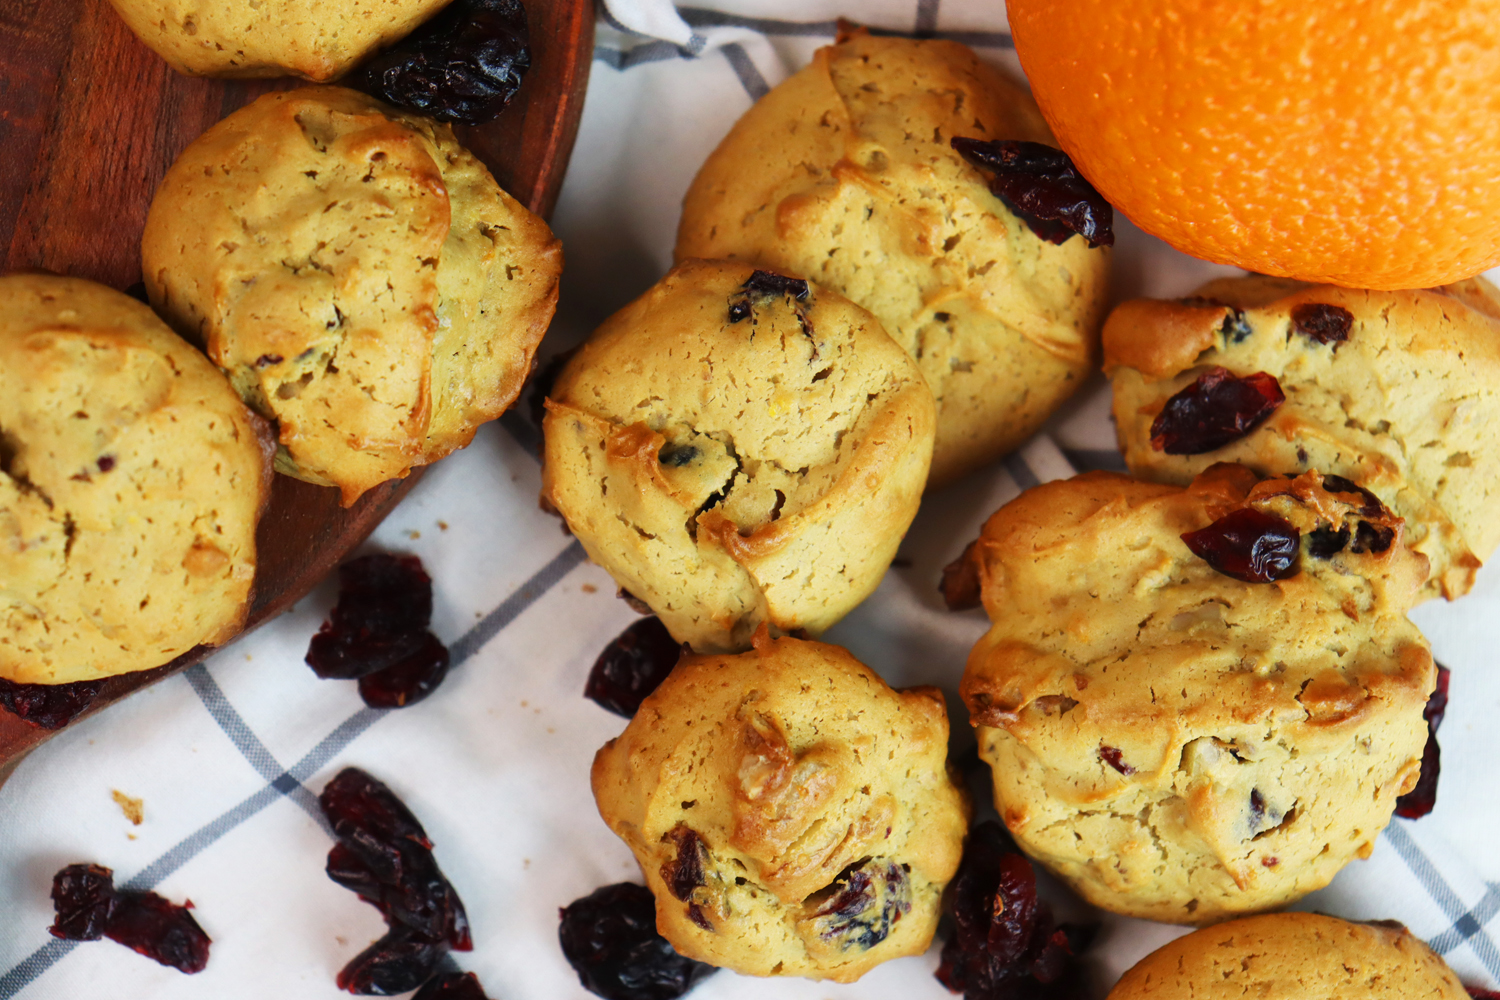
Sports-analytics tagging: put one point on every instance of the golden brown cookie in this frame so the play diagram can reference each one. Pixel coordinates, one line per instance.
(1397, 391)
(844, 174)
(359, 276)
(1183, 744)
(1292, 956)
(792, 814)
(734, 455)
(245, 38)
(131, 479)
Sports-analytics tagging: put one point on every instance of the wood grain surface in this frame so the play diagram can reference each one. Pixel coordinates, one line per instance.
(90, 120)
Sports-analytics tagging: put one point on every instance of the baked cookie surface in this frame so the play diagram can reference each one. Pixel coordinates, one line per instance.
(734, 456)
(792, 814)
(844, 174)
(1292, 956)
(248, 38)
(131, 479)
(1177, 743)
(358, 275)
(1397, 391)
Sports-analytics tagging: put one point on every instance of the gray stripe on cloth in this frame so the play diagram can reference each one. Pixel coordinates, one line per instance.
(1471, 923)
(245, 740)
(1020, 471)
(648, 53)
(755, 85)
(1094, 459)
(289, 783)
(1442, 894)
(927, 17)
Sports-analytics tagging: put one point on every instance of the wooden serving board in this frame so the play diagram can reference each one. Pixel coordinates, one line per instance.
(90, 120)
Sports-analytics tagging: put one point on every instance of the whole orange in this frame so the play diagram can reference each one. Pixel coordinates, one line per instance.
(1348, 141)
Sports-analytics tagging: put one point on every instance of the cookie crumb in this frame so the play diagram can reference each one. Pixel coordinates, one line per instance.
(589, 588)
(134, 809)
(442, 525)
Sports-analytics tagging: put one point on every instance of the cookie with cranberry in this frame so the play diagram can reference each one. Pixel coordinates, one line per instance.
(845, 174)
(1198, 702)
(739, 448)
(131, 480)
(249, 38)
(1292, 956)
(792, 814)
(1397, 391)
(358, 275)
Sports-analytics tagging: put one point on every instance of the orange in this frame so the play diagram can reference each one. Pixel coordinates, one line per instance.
(1350, 141)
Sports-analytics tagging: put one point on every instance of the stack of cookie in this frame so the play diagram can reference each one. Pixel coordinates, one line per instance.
(366, 295)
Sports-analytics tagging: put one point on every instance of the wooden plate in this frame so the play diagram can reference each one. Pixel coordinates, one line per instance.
(90, 120)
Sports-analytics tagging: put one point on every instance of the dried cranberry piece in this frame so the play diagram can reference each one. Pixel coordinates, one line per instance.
(399, 962)
(384, 606)
(609, 937)
(1481, 994)
(1004, 944)
(463, 66)
(453, 986)
(864, 902)
(1372, 537)
(159, 929)
(1115, 759)
(1041, 185)
(83, 896)
(1325, 543)
(409, 680)
(684, 873)
(1372, 506)
(632, 666)
(961, 588)
(772, 284)
(384, 855)
(1419, 801)
(48, 706)
(1321, 322)
(1217, 409)
(1249, 545)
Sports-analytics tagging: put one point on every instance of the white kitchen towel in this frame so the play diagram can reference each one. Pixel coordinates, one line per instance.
(228, 757)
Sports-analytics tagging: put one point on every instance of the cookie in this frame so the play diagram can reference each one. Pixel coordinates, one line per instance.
(249, 38)
(1198, 702)
(844, 174)
(792, 814)
(358, 275)
(1292, 956)
(1397, 391)
(131, 479)
(737, 448)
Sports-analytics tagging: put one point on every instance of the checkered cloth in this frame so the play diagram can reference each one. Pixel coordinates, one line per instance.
(229, 756)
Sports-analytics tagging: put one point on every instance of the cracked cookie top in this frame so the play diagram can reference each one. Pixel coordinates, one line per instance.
(249, 38)
(1397, 391)
(1293, 956)
(844, 173)
(1204, 701)
(736, 448)
(358, 275)
(131, 479)
(792, 814)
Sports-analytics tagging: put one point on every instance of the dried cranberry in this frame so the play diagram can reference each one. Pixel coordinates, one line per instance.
(1324, 323)
(632, 666)
(409, 680)
(453, 986)
(1372, 506)
(960, 586)
(1115, 759)
(1004, 944)
(399, 962)
(1419, 801)
(156, 928)
(384, 855)
(1325, 543)
(463, 66)
(1041, 185)
(609, 937)
(864, 902)
(48, 706)
(769, 283)
(1372, 537)
(684, 873)
(83, 896)
(1217, 409)
(1249, 545)
(1477, 993)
